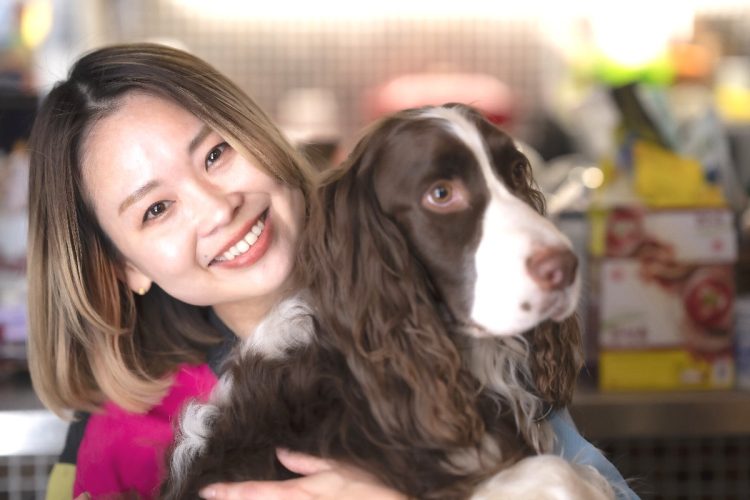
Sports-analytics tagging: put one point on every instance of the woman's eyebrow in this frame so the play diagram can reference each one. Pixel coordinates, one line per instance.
(202, 133)
(144, 190)
(137, 195)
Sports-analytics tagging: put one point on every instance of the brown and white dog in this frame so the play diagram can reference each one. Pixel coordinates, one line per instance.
(432, 337)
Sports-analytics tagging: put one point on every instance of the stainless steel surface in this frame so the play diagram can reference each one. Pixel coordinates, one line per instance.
(26, 428)
(31, 432)
(647, 414)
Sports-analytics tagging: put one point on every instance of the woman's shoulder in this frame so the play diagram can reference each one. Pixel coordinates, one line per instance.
(572, 446)
(190, 382)
(115, 450)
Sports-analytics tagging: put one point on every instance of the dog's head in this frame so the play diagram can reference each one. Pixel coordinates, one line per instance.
(463, 194)
(435, 210)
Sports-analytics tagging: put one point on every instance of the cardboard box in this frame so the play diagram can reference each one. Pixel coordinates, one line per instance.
(664, 281)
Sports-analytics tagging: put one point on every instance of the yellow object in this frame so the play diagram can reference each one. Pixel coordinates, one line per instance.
(664, 179)
(36, 22)
(734, 103)
(660, 370)
(597, 232)
(60, 484)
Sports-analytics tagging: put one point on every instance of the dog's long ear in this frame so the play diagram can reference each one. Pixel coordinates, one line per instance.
(374, 302)
(556, 360)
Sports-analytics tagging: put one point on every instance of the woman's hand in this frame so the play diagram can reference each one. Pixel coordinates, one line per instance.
(323, 480)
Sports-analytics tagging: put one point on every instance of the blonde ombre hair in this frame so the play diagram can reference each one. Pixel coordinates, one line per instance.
(90, 338)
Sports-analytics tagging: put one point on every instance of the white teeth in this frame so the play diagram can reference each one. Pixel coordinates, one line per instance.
(243, 246)
(245, 243)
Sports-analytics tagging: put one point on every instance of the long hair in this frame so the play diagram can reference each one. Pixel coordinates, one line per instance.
(89, 338)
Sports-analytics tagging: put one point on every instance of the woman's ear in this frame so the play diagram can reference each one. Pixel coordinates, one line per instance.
(137, 281)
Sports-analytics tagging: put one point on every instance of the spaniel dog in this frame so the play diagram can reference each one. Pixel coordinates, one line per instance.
(431, 340)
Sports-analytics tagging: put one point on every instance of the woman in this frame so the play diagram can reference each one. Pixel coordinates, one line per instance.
(164, 212)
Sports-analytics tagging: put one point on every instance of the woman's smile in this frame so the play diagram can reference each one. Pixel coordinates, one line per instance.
(250, 247)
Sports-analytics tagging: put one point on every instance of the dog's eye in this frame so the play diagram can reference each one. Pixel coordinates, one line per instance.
(442, 193)
(446, 196)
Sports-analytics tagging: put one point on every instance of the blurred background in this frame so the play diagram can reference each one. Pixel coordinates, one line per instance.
(635, 117)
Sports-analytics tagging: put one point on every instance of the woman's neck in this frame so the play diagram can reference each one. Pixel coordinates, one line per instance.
(242, 317)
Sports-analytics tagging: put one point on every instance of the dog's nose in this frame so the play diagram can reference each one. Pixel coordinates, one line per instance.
(552, 268)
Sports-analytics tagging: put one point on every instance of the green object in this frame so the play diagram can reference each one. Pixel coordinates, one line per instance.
(659, 71)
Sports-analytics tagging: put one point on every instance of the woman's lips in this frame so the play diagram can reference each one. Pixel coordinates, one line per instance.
(256, 251)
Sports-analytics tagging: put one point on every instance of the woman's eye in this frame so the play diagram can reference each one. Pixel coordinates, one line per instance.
(156, 210)
(215, 153)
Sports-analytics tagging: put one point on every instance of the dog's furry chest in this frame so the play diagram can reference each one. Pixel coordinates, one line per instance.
(306, 397)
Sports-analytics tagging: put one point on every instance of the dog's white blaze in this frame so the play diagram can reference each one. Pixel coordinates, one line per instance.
(289, 325)
(506, 300)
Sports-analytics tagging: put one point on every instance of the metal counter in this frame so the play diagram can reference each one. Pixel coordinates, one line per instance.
(26, 428)
(663, 414)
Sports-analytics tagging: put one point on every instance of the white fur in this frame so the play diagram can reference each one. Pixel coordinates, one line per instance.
(289, 325)
(501, 364)
(471, 459)
(195, 429)
(546, 477)
(511, 232)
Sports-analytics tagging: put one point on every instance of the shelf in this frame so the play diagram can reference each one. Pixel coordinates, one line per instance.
(663, 414)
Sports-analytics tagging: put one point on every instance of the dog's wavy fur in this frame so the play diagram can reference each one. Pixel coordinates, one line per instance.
(383, 378)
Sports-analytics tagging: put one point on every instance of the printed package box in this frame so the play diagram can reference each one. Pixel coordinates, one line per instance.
(664, 287)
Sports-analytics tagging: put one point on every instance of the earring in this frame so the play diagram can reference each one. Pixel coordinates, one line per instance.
(141, 291)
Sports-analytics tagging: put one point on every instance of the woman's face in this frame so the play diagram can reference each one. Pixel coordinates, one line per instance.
(185, 209)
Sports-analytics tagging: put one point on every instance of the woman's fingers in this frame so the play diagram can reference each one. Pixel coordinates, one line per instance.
(302, 463)
(297, 462)
(321, 480)
(248, 490)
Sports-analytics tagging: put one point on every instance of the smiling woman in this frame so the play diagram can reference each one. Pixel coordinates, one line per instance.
(164, 206)
(116, 208)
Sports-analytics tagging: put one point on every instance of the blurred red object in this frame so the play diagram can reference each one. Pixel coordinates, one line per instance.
(486, 93)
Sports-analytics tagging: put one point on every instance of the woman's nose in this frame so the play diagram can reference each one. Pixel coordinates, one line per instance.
(213, 207)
